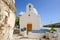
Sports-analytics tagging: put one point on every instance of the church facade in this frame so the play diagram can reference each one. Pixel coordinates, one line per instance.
(29, 20)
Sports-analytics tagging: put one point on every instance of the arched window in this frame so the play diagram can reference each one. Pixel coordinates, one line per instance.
(29, 7)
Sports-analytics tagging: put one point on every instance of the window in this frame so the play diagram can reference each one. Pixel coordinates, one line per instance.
(29, 6)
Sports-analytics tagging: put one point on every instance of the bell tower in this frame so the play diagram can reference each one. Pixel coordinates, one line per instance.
(29, 7)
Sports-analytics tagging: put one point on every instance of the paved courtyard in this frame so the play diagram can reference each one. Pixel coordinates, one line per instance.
(16, 37)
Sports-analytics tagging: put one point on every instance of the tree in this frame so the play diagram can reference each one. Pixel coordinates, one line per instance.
(17, 22)
(17, 26)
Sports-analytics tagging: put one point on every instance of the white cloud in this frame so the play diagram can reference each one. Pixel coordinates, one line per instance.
(21, 13)
(35, 11)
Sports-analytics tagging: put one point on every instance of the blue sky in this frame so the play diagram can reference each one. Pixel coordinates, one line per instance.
(48, 10)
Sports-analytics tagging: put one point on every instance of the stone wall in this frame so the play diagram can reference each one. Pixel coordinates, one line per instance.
(7, 21)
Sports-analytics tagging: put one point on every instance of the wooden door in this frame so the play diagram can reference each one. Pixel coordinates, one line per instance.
(29, 27)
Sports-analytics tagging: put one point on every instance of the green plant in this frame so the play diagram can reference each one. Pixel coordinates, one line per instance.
(52, 30)
(17, 21)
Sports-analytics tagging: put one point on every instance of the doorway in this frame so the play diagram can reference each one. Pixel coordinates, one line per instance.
(29, 27)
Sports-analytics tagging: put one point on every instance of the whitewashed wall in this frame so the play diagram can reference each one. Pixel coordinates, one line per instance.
(33, 19)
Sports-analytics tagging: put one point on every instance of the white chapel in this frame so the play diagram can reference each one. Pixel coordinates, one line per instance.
(29, 20)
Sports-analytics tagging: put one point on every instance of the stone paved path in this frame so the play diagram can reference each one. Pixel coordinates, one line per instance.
(16, 37)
